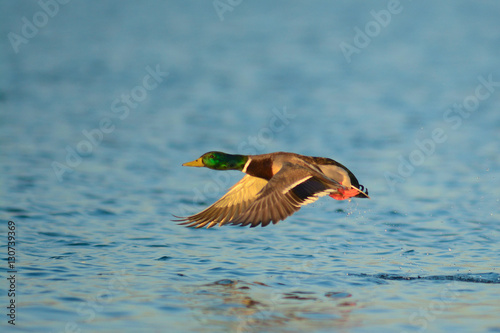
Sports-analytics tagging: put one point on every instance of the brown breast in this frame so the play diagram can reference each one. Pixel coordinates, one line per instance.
(260, 167)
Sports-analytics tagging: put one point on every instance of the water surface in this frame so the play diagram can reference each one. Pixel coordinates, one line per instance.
(96, 249)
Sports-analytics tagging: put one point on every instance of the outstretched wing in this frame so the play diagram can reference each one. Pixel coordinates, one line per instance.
(232, 204)
(292, 187)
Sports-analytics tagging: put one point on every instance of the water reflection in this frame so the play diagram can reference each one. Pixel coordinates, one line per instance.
(237, 305)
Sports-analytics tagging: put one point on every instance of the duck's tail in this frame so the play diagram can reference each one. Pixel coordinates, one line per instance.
(343, 194)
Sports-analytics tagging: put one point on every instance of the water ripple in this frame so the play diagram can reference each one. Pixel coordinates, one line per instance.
(491, 277)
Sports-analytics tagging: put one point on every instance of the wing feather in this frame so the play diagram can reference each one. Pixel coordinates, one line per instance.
(230, 206)
(292, 187)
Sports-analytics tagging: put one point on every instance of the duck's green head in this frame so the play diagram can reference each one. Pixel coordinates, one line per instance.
(219, 161)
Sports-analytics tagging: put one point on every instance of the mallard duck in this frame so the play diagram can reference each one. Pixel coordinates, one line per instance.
(275, 186)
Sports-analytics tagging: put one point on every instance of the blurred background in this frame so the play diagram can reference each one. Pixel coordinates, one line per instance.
(101, 103)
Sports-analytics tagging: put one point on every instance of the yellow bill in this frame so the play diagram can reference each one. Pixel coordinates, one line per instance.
(195, 163)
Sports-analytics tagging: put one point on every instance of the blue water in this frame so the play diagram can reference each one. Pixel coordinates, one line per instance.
(102, 104)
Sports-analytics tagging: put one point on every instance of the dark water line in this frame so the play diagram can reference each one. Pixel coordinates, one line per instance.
(491, 277)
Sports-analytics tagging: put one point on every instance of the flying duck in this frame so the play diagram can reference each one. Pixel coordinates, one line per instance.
(275, 186)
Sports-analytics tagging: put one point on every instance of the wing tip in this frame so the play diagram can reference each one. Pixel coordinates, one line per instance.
(189, 222)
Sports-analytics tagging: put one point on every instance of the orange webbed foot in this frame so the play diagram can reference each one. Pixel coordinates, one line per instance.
(344, 194)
